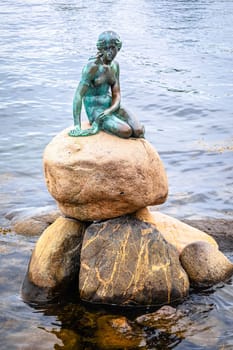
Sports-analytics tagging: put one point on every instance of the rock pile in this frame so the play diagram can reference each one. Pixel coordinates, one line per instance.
(108, 243)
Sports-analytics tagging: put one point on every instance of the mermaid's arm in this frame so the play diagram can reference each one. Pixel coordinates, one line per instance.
(87, 75)
(86, 132)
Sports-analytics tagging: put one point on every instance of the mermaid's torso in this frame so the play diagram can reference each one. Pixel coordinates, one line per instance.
(98, 94)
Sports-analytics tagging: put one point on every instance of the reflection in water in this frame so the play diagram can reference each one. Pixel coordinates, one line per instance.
(200, 327)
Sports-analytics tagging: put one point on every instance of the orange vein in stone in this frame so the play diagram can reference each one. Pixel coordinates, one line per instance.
(117, 262)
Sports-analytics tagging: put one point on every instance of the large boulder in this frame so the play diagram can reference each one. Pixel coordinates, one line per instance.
(205, 264)
(173, 230)
(126, 261)
(54, 264)
(103, 176)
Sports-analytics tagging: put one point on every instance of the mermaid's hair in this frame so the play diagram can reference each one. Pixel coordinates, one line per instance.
(109, 37)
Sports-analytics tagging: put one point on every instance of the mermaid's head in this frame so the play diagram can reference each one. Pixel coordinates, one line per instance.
(108, 38)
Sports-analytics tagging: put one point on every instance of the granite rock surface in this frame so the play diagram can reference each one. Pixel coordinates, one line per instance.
(174, 231)
(125, 261)
(205, 264)
(103, 176)
(55, 258)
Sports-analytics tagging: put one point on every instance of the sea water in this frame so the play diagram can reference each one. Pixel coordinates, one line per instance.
(176, 76)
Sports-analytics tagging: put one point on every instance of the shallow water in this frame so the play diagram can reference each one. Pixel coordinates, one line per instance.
(176, 75)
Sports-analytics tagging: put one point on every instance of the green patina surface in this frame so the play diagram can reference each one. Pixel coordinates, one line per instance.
(99, 90)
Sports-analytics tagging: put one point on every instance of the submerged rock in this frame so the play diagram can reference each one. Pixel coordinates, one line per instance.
(180, 324)
(103, 176)
(167, 319)
(125, 261)
(32, 221)
(54, 263)
(117, 333)
(205, 264)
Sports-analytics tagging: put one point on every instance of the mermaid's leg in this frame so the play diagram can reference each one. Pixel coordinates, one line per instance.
(132, 121)
(113, 125)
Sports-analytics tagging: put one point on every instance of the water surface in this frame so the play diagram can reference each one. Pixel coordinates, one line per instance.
(176, 75)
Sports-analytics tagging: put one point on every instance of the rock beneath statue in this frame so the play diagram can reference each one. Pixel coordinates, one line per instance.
(173, 230)
(125, 261)
(205, 264)
(55, 260)
(103, 176)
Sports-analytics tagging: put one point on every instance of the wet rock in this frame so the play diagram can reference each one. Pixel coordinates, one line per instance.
(126, 261)
(103, 176)
(165, 312)
(174, 231)
(205, 264)
(180, 324)
(30, 227)
(167, 319)
(55, 260)
(32, 221)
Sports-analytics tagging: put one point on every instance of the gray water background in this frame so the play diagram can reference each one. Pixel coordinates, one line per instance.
(176, 75)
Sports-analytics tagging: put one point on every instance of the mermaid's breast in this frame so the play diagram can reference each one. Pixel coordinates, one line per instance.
(105, 77)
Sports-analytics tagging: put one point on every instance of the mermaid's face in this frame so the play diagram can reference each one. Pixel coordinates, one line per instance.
(108, 44)
(109, 52)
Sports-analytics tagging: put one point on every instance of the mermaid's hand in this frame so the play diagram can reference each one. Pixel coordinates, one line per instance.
(87, 132)
(101, 116)
(75, 132)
